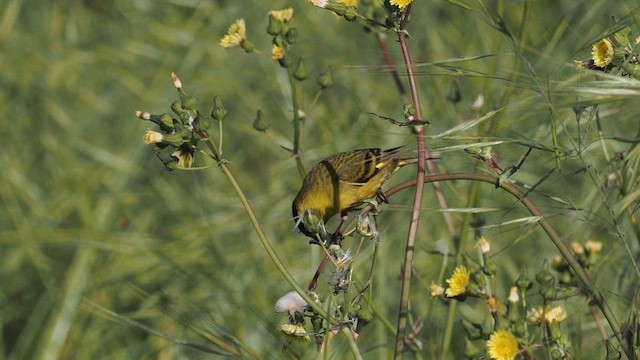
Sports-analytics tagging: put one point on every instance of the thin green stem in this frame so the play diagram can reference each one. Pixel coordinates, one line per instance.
(296, 123)
(260, 232)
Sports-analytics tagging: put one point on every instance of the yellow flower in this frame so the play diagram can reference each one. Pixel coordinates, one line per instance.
(293, 332)
(602, 52)
(493, 304)
(502, 345)
(535, 315)
(593, 246)
(349, 2)
(554, 314)
(185, 158)
(550, 314)
(577, 248)
(153, 137)
(400, 3)
(236, 34)
(436, 290)
(282, 16)
(458, 282)
(276, 52)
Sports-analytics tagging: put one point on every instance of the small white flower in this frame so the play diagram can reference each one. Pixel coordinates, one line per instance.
(320, 3)
(513, 295)
(291, 303)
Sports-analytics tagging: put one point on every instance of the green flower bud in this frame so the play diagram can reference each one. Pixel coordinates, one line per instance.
(176, 107)
(190, 103)
(274, 27)
(285, 61)
(169, 162)
(260, 123)
(490, 267)
(301, 71)
(350, 14)
(473, 330)
(479, 279)
(544, 276)
(474, 290)
(548, 292)
(325, 80)
(313, 223)
(365, 227)
(291, 36)
(523, 282)
(454, 95)
(409, 112)
(202, 124)
(247, 46)
(218, 112)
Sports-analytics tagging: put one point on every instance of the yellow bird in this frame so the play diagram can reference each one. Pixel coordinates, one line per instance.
(342, 181)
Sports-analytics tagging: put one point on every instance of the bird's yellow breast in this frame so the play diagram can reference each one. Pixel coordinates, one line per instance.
(342, 181)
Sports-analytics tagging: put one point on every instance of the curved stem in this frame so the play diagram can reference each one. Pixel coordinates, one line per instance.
(261, 234)
(417, 199)
(581, 273)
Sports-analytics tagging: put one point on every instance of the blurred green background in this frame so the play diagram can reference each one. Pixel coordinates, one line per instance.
(94, 231)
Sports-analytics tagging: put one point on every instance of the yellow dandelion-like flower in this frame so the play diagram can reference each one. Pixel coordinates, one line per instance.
(577, 248)
(554, 314)
(458, 282)
(293, 332)
(593, 246)
(436, 290)
(349, 2)
(185, 158)
(276, 52)
(400, 3)
(236, 34)
(282, 16)
(602, 52)
(502, 345)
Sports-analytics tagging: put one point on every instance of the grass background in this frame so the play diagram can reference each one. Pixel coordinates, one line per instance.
(91, 222)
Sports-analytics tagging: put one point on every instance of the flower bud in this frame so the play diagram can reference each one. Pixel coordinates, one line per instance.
(523, 282)
(169, 162)
(490, 267)
(473, 330)
(301, 71)
(325, 80)
(176, 107)
(260, 123)
(274, 27)
(218, 112)
(291, 36)
(202, 124)
(350, 13)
